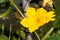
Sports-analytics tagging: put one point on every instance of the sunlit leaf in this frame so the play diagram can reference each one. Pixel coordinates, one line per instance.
(1, 1)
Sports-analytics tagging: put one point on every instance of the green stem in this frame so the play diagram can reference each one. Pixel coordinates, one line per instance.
(19, 38)
(12, 3)
(10, 31)
(2, 28)
(48, 33)
(37, 35)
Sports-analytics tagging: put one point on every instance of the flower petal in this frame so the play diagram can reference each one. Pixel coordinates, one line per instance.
(33, 28)
(49, 16)
(53, 19)
(25, 22)
(41, 11)
(30, 12)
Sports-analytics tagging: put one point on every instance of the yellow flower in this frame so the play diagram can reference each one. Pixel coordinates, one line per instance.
(36, 18)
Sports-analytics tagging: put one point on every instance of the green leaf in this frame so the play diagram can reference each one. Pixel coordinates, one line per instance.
(14, 38)
(3, 37)
(22, 34)
(1, 1)
(6, 12)
(57, 23)
(54, 37)
(57, 12)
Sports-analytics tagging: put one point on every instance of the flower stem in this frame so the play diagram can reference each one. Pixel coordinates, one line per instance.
(48, 33)
(37, 35)
(12, 3)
